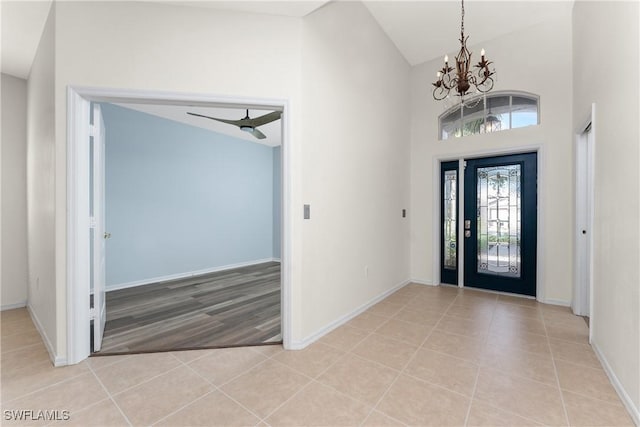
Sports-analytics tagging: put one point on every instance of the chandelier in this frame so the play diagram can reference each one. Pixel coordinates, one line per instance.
(464, 78)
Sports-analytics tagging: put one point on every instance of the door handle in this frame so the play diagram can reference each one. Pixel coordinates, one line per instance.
(467, 224)
(467, 233)
(107, 235)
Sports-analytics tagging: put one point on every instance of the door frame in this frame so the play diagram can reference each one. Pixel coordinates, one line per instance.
(584, 148)
(79, 99)
(437, 159)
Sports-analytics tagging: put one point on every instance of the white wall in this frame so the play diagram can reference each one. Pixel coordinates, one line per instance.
(355, 129)
(41, 201)
(148, 46)
(14, 192)
(536, 59)
(348, 163)
(606, 49)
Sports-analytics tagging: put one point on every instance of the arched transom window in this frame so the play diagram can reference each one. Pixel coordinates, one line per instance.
(495, 112)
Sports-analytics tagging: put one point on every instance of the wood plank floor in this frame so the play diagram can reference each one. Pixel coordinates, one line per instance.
(223, 309)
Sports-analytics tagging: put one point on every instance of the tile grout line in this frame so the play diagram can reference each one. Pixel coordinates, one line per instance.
(46, 386)
(218, 389)
(555, 371)
(109, 395)
(398, 373)
(277, 408)
(146, 381)
(375, 407)
(538, 423)
(52, 423)
(183, 407)
(475, 383)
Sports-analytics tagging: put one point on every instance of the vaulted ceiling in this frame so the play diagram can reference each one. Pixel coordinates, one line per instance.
(422, 30)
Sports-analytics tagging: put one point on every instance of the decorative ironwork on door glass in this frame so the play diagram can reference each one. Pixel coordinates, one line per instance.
(450, 224)
(499, 220)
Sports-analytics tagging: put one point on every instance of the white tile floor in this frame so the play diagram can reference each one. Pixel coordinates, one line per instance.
(424, 356)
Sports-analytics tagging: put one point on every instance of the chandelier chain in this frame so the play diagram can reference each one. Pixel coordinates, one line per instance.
(462, 22)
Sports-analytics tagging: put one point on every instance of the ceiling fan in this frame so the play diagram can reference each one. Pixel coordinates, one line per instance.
(248, 124)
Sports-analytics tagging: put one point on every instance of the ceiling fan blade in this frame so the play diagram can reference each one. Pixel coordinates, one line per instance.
(255, 132)
(262, 120)
(231, 122)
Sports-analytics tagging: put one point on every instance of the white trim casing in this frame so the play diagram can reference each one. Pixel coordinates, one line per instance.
(435, 222)
(78, 271)
(578, 297)
(592, 213)
(169, 277)
(78, 102)
(460, 261)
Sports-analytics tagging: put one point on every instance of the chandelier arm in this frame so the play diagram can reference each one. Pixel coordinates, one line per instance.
(486, 82)
(440, 93)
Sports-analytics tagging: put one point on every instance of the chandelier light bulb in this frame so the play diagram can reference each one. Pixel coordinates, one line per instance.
(482, 53)
(446, 59)
(438, 74)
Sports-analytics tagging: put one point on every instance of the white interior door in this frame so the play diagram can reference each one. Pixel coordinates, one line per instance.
(99, 312)
(584, 209)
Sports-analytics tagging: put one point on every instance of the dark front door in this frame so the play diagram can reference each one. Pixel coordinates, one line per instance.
(500, 223)
(449, 222)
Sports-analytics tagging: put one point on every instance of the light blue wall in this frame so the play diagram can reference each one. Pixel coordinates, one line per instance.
(181, 199)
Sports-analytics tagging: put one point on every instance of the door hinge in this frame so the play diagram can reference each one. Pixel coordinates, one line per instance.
(464, 165)
(92, 313)
(92, 131)
(92, 222)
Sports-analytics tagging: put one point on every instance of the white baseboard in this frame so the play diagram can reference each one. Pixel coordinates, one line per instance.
(299, 345)
(422, 282)
(14, 305)
(187, 274)
(634, 412)
(55, 359)
(556, 302)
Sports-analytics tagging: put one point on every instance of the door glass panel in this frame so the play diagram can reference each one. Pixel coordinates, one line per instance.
(450, 224)
(499, 220)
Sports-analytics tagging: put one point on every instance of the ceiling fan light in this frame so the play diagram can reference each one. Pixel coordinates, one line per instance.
(246, 128)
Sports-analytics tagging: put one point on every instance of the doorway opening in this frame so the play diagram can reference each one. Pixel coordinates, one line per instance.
(211, 282)
(190, 227)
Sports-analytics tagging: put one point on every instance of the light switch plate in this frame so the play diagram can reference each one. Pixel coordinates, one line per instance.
(307, 211)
